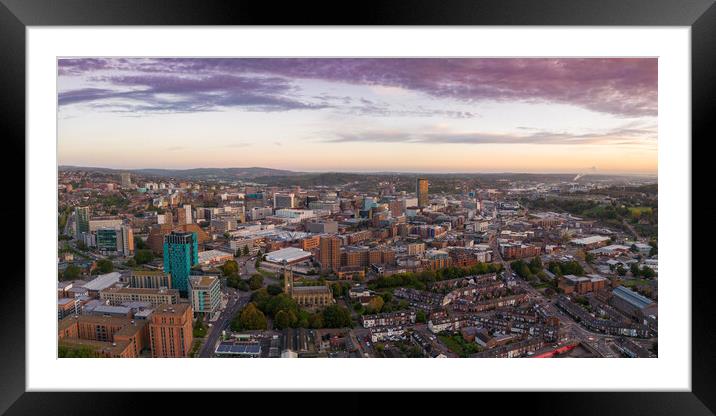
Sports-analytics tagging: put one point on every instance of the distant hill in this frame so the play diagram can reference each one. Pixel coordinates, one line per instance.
(196, 173)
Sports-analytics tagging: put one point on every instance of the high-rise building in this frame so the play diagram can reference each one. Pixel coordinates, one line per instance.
(125, 242)
(284, 201)
(205, 294)
(184, 215)
(330, 253)
(107, 239)
(181, 252)
(170, 331)
(126, 180)
(422, 192)
(82, 215)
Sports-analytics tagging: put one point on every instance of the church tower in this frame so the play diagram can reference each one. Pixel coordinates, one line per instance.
(287, 278)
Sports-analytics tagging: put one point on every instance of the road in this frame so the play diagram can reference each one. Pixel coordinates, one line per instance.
(569, 328)
(232, 307)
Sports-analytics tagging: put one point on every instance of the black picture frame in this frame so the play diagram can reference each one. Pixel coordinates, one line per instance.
(16, 15)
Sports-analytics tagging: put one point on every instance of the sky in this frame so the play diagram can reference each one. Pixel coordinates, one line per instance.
(427, 115)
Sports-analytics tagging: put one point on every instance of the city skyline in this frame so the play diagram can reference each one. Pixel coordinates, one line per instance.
(465, 115)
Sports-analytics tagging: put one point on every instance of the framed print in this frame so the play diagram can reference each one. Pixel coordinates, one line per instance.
(433, 198)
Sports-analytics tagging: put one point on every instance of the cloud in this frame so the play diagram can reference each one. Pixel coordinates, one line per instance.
(618, 136)
(625, 87)
(173, 93)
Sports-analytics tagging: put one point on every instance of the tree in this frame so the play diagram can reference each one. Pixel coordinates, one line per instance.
(75, 352)
(420, 317)
(104, 266)
(315, 321)
(274, 290)
(589, 258)
(260, 298)
(336, 316)
(250, 318)
(233, 281)
(230, 268)
(648, 272)
(131, 263)
(634, 269)
(284, 319)
(535, 265)
(621, 271)
(243, 286)
(81, 246)
(72, 272)
(634, 248)
(256, 281)
(140, 244)
(143, 256)
(245, 250)
(375, 304)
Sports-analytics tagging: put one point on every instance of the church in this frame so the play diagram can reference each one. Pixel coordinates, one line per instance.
(306, 296)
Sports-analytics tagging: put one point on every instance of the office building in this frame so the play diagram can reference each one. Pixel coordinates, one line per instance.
(108, 337)
(116, 296)
(284, 201)
(181, 253)
(170, 331)
(330, 253)
(106, 239)
(126, 180)
(184, 215)
(82, 215)
(422, 192)
(149, 279)
(205, 294)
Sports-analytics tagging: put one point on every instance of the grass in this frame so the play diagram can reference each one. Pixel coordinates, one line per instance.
(636, 211)
(635, 282)
(266, 273)
(458, 345)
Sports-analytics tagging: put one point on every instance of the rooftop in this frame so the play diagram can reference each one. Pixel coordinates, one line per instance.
(289, 254)
(103, 281)
(632, 297)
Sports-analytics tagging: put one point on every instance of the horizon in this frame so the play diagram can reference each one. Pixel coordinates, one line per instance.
(539, 115)
(596, 173)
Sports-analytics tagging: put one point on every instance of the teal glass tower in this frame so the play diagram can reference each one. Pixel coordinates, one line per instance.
(181, 252)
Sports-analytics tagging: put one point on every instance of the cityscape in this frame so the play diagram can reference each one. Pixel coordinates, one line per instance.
(389, 208)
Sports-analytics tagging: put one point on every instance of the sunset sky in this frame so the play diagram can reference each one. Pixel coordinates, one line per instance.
(339, 114)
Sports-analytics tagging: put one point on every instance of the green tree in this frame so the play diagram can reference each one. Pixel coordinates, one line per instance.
(245, 251)
(535, 265)
(420, 317)
(336, 316)
(315, 321)
(274, 290)
(261, 298)
(284, 319)
(375, 304)
(72, 272)
(230, 268)
(104, 266)
(249, 318)
(281, 302)
(648, 272)
(199, 329)
(75, 352)
(634, 269)
(143, 256)
(256, 281)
